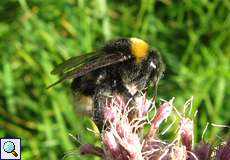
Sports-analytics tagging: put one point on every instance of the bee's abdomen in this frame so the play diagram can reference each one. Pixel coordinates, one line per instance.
(87, 95)
(89, 82)
(84, 86)
(83, 104)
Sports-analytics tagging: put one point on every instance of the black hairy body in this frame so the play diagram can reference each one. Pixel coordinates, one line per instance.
(124, 66)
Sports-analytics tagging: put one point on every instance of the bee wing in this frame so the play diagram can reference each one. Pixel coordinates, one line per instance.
(73, 62)
(91, 65)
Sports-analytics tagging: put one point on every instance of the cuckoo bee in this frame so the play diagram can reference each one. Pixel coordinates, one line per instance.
(124, 66)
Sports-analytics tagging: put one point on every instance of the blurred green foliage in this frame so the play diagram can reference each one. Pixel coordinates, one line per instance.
(192, 36)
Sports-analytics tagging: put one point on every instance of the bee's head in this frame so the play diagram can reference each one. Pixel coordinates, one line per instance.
(157, 68)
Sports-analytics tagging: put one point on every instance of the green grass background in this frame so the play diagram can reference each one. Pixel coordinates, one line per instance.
(193, 37)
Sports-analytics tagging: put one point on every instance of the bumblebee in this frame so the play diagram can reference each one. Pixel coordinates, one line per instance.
(124, 66)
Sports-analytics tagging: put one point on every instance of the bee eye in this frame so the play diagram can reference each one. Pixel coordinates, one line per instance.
(153, 65)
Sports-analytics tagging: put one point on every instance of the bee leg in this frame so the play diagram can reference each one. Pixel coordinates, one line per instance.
(100, 97)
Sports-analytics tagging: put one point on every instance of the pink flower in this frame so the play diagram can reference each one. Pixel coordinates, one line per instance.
(123, 139)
